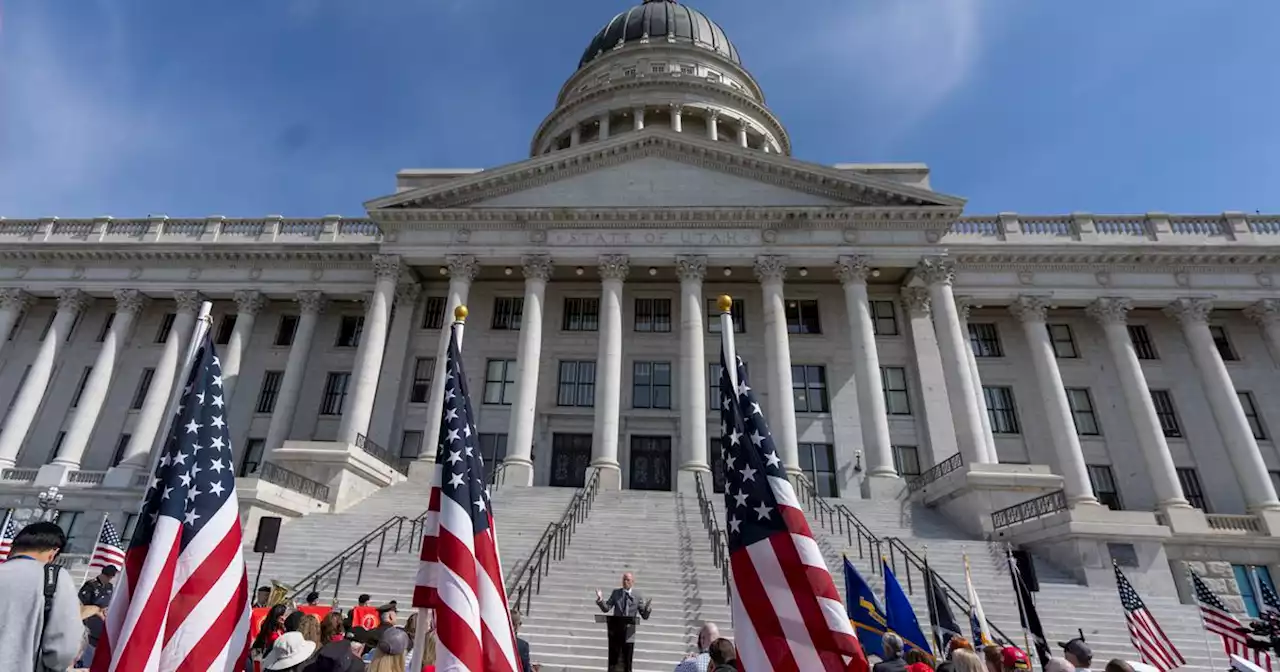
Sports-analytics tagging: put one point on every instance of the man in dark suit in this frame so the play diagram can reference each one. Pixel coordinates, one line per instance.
(624, 601)
(522, 645)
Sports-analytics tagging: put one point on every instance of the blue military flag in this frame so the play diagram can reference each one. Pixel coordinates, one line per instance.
(900, 616)
(866, 614)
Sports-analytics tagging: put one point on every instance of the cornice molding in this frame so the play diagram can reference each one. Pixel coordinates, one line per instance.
(99, 254)
(1072, 261)
(782, 218)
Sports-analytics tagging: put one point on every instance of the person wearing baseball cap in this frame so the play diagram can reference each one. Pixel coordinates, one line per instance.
(1078, 653)
(1014, 658)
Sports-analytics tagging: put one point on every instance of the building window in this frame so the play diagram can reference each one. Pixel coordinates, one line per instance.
(1082, 411)
(629, 72)
(499, 381)
(433, 314)
(1064, 345)
(1251, 414)
(130, 522)
(713, 384)
(1104, 486)
(22, 380)
(653, 315)
(166, 326)
(57, 445)
(48, 324)
(225, 328)
(1142, 343)
(252, 457)
(1163, 402)
(411, 444)
(69, 522)
(884, 318)
(424, 369)
(985, 340)
(349, 331)
(1001, 410)
(802, 317)
(581, 314)
(906, 460)
(738, 313)
(659, 68)
(121, 444)
(507, 312)
(809, 386)
(818, 462)
(1190, 481)
(1223, 344)
(270, 391)
(335, 393)
(17, 325)
(893, 380)
(84, 379)
(1250, 579)
(106, 327)
(75, 322)
(688, 70)
(144, 385)
(285, 330)
(577, 384)
(651, 385)
(493, 450)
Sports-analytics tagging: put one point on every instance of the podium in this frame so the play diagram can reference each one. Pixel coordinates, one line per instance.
(619, 629)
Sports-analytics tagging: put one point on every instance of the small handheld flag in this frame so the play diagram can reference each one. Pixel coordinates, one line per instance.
(899, 614)
(866, 614)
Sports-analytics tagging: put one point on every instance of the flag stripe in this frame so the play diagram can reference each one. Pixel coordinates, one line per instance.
(762, 615)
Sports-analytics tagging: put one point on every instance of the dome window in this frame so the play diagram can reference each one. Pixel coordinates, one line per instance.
(688, 70)
(713, 76)
(629, 72)
(659, 68)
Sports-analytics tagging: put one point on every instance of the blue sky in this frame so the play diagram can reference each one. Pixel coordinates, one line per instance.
(308, 107)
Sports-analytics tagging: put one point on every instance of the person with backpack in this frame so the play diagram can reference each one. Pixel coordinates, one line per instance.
(41, 618)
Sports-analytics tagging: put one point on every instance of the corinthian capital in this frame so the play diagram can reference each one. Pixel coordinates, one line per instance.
(852, 268)
(15, 299)
(937, 270)
(130, 301)
(1190, 311)
(963, 305)
(311, 302)
(407, 293)
(916, 301)
(462, 267)
(1265, 312)
(188, 300)
(537, 267)
(386, 266)
(74, 300)
(250, 301)
(1110, 310)
(691, 267)
(1029, 308)
(771, 268)
(614, 267)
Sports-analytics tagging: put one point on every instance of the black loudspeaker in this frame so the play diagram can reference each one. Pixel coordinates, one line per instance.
(1027, 568)
(268, 533)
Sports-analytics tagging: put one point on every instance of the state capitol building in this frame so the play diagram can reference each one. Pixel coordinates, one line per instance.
(1123, 365)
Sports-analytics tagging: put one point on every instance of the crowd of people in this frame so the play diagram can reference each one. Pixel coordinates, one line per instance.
(963, 657)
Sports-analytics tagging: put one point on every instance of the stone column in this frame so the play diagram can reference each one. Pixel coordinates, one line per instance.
(940, 430)
(463, 269)
(677, 121)
(310, 307)
(771, 271)
(249, 303)
(638, 118)
(373, 342)
(693, 372)
(962, 308)
(71, 302)
(387, 409)
(1193, 316)
(1265, 312)
(1113, 314)
(129, 305)
(519, 461)
(852, 272)
(575, 136)
(604, 442)
(938, 273)
(13, 303)
(713, 125)
(604, 130)
(1031, 312)
(151, 417)
(742, 133)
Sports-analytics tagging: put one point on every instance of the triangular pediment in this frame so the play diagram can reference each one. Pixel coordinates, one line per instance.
(659, 168)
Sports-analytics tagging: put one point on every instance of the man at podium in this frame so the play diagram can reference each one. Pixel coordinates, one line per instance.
(624, 607)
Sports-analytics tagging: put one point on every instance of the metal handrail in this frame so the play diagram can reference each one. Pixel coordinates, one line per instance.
(1031, 509)
(338, 563)
(719, 540)
(498, 475)
(527, 580)
(935, 472)
(898, 548)
(377, 452)
(838, 519)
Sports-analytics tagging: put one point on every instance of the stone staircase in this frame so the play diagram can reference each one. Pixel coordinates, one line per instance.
(521, 516)
(660, 538)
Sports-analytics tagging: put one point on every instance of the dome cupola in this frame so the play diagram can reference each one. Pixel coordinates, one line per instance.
(660, 20)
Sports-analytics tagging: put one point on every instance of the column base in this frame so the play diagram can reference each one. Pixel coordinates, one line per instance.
(1184, 519)
(1270, 519)
(122, 476)
(516, 472)
(610, 475)
(687, 477)
(53, 474)
(884, 487)
(6, 463)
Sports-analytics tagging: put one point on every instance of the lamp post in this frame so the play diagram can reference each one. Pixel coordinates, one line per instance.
(49, 500)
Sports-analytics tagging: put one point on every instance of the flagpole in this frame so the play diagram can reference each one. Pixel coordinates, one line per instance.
(1017, 592)
(420, 633)
(1204, 627)
(96, 541)
(725, 303)
(929, 602)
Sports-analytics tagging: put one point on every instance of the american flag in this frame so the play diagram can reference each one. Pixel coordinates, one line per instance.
(1155, 647)
(460, 575)
(183, 602)
(6, 537)
(1270, 600)
(107, 552)
(1219, 621)
(787, 615)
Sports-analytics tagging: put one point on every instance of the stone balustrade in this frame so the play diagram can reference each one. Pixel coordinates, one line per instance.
(1232, 227)
(270, 229)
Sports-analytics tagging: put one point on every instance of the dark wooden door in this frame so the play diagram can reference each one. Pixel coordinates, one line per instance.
(570, 457)
(651, 463)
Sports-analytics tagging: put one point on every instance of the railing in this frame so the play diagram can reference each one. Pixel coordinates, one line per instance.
(1031, 509)
(526, 581)
(498, 474)
(336, 566)
(18, 475)
(377, 452)
(1233, 524)
(898, 550)
(838, 519)
(935, 472)
(719, 541)
(86, 477)
(289, 480)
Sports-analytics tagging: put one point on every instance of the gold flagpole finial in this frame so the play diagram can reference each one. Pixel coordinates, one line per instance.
(725, 303)
(460, 313)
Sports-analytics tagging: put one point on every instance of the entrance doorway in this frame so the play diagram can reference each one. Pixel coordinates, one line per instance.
(651, 463)
(570, 457)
